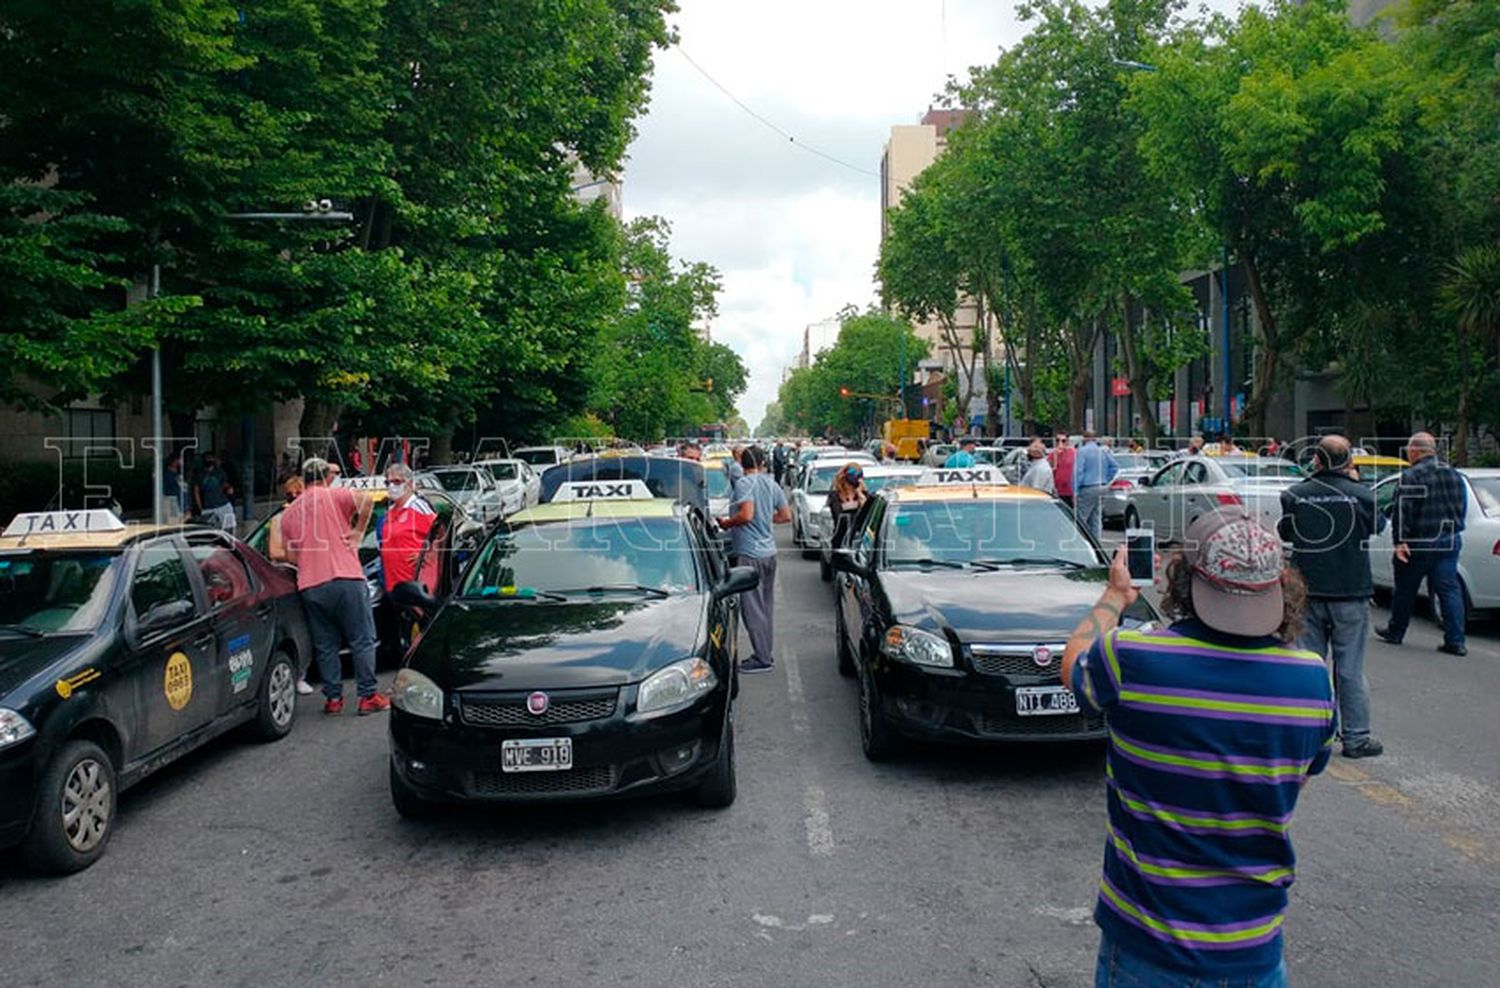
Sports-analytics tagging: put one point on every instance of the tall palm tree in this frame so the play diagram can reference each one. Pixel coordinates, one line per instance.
(1471, 295)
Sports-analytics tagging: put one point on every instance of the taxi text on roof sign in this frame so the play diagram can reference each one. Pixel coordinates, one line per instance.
(944, 477)
(364, 482)
(63, 522)
(603, 490)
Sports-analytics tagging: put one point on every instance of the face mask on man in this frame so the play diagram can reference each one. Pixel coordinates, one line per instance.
(396, 490)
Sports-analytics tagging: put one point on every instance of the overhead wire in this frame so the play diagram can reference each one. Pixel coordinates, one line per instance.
(768, 124)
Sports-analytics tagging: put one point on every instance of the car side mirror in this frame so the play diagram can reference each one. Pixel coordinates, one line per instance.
(164, 616)
(844, 561)
(1144, 481)
(412, 595)
(740, 579)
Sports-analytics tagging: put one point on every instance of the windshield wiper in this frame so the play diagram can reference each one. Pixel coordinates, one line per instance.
(25, 630)
(945, 563)
(618, 588)
(993, 564)
(493, 593)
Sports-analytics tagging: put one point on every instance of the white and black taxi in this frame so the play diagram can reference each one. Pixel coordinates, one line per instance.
(589, 651)
(122, 647)
(954, 600)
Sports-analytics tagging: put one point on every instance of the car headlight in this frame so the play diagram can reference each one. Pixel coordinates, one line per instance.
(415, 694)
(678, 685)
(918, 647)
(13, 728)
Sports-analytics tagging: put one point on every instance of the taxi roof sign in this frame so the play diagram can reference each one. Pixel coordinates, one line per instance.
(982, 476)
(363, 482)
(603, 490)
(63, 523)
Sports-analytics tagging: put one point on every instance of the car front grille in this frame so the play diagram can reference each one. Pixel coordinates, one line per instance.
(573, 782)
(1013, 660)
(1049, 726)
(509, 709)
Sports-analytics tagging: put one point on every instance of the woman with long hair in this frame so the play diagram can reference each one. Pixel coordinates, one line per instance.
(845, 498)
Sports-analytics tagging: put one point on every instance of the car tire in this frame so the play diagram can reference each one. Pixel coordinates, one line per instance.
(80, 775)
(1132, 518)
(825, 568)
(408, 802)
(876, 737)
(841, 642)
(277, 708)
(718, 789)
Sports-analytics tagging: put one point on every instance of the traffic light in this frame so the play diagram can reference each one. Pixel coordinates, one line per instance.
(843, 392)
(708, 384)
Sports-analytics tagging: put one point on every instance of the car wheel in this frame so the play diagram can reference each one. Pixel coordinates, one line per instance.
(408, 802)
(1132, 518)
(825, 568)
(718, 788)
(75, 810)
(278, 700)
(876, 737)
(796, 535)
(841, 642)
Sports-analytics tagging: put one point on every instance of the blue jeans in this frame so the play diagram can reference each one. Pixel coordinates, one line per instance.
(339, 611)
(1440, 570)
(1090, 509)
(1117, 969)
(1341, 625)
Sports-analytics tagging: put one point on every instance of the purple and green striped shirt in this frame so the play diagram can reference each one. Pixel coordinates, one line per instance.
(1211, 738)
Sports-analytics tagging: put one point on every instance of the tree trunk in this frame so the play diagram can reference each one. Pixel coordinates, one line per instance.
(1461, 423)
(1139, 376)
(962, 370)
(1268, 360)
(441, 448)
(315, 429)
(991, 397)
(1081, 343)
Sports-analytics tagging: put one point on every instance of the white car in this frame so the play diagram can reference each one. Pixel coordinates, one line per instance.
(1133, 467)
(542, 457)
(520, 486)
(820, 534)
(472, 488)
(1173, 497)
(1478, 559)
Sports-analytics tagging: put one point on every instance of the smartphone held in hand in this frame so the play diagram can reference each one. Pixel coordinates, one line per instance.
(1140, 555)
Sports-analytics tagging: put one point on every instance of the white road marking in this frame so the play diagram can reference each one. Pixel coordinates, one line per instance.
(777, 923)
(1077, 916)
(794, 691)
(819, 829)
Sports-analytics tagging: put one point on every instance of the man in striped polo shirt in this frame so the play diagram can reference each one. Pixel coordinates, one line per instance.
(1214, 725)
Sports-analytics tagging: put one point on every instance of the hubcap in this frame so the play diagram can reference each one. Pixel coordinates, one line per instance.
(86, 805)
(282, 692)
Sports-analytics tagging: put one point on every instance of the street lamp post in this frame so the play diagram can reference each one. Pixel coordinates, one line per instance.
(316, 211)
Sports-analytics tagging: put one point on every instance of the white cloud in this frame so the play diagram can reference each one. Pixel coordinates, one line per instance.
(794, 235)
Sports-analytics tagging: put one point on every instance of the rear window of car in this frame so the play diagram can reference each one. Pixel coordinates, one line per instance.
(1487, 493)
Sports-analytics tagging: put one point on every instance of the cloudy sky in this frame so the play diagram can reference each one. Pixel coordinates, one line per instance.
(794, 235)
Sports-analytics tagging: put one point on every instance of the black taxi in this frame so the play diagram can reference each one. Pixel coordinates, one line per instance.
(954, 600)
(589, 651)
(122, 647)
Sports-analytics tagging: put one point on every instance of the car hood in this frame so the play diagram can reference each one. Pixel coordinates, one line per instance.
(23, 658)
(521, 645)
(1032, 604)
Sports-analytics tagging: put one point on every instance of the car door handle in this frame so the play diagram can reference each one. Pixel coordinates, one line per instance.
(203, 641)
(264, 610)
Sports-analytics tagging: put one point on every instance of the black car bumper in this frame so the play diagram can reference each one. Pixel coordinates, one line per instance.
(453, 760)
(955, 705)
(19, 769)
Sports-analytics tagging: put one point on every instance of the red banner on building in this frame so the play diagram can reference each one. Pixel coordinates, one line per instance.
(1120, 387)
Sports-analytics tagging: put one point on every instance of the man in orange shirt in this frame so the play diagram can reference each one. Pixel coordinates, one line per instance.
(322, 530)
(1061, 459)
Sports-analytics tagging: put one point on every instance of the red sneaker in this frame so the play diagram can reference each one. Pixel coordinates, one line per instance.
(376, 704)
(333, 706)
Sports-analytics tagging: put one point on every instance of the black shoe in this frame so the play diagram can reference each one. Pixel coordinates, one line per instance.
(1369, 747)
(755, 664)
(1458, 650)
(1384, 634)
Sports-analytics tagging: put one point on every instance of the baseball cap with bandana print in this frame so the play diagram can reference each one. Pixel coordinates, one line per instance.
(1236, 563)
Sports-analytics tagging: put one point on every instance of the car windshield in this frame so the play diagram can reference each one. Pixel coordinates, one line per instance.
(873, 484)
(502, 471)
(1487, 493)
(545, 457)
(1261, 469)
(821, 481)
(718, 482)
(457, 480)
(1004, 530)
(55, 592)
(647, 555)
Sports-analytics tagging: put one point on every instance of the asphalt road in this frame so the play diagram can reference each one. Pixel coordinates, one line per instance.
(285, 864)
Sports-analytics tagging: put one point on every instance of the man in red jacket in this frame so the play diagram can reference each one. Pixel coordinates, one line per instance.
(405, 531)
(1062, 466)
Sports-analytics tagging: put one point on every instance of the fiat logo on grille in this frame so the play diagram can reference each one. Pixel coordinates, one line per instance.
(1042, 656)
(537, 704)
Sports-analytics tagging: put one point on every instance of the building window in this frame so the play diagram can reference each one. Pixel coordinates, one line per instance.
(91, 432)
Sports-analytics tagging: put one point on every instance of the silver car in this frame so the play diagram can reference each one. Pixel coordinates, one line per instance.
(1479, 557)
(814, 483)
(520, 486)
(1173, 497)
(473, 489)
(1133, 468)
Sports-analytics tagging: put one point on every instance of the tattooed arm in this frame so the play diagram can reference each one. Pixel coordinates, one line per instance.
(1103, 618)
